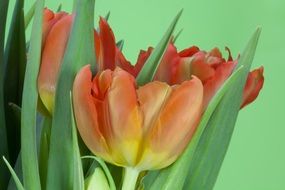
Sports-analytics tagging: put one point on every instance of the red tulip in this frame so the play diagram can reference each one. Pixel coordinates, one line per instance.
(143, 127)
(253, 86)
(210, 67)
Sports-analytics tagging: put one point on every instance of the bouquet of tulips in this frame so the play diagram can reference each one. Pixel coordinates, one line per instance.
(75, 114)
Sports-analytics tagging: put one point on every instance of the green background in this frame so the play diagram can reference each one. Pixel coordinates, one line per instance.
(256, 156)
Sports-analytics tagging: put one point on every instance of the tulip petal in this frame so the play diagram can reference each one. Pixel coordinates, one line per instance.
(123, 63)
(168, 65)
(124, 115)
(49, 20)
(253, 86)
(178, 116)
(108, 46)
(143, 56)
(213, 84)
(189, 52)
(87, 115)
(52, 55)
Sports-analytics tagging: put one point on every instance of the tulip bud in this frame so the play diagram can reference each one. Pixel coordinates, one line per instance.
(96, 181)
(56, 29)
(253, 86)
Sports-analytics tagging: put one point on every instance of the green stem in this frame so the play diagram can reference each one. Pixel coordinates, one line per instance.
(130, 179)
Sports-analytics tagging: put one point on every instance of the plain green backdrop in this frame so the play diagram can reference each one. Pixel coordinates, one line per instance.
(256, 156)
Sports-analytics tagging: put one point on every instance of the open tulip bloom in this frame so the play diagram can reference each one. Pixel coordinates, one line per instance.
(152, 124)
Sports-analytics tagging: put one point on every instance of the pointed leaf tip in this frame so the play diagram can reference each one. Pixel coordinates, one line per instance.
(150, 67)
(14, 175)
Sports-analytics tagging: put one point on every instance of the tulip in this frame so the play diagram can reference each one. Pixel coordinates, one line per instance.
(56, 29)
(210, 67)
(144, 128)
(253, 86)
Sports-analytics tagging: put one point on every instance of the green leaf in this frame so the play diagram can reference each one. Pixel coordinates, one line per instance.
(215, 140)
(15, 65)
(44, 149)
(105, 169)
(29, 15)
(79, 52)
(29, 105)
(174, 176)
(107, 16)
(59, 8)
(177, 35)
(120, 44)
(4, 173)
(16, 111)
(14, 175)
(148, 71)
(78, 183)
(18, 170)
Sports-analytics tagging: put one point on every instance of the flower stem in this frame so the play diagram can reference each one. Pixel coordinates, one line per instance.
(130, 178)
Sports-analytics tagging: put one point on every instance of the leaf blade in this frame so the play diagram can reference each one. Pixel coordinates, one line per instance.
(14, 175)
(29, 105)
(207, 162)
(4, 173)
(15, 64)
(174, 176)
(149, 69)
(78, 174)
(79, 51)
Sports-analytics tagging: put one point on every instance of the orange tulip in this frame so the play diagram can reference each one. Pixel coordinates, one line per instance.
(144, 128)
(210, 67)
(56, 29)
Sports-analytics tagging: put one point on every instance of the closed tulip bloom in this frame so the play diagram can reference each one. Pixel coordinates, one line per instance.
(49, 19)
(143, 127)
(253, 85)
(56, 29)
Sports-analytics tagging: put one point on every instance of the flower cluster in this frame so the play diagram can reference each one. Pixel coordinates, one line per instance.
(144, 127)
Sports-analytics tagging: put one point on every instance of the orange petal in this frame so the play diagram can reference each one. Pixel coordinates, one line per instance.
(86, 114)
(124, 116)
(52, 55)
(254, 84)
(172, 128)
(152, 98)
(49, 20)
